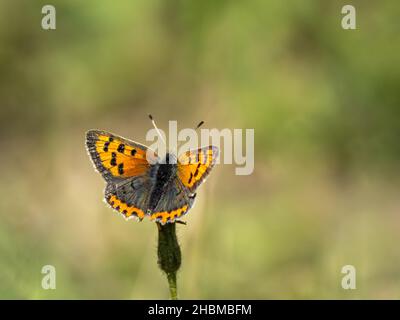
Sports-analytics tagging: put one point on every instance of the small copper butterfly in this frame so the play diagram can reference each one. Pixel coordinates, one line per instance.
(140, 185)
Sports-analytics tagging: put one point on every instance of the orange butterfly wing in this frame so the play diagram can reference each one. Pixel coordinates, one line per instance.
(117, 157)
(195, 165)
(124, 164)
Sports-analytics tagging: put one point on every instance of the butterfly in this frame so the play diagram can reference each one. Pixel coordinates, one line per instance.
(140, 184)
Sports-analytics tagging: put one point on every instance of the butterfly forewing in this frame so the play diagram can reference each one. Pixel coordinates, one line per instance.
(117, 157)
(195, 165)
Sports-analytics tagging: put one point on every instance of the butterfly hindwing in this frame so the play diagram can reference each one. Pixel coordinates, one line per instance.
(195, 165)
(174, 202)
(117, 157)
(130, 196)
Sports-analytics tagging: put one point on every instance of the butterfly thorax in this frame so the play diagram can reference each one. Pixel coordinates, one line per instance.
(163, 173)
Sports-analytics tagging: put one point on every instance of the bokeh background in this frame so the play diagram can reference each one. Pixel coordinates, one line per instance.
(325, 106)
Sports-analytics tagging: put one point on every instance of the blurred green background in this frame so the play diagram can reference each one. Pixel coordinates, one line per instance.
(325, 106)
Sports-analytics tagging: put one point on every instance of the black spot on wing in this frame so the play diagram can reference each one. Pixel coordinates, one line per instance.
(106, 144)
(191, 177)
(121, 148)
(113, 161)
(121, 168)
(197, 170)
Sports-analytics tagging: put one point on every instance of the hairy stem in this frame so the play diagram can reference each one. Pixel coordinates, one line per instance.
(169, 255)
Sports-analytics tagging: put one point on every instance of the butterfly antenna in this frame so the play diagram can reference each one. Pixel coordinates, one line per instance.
(155, 127)
(199, 125)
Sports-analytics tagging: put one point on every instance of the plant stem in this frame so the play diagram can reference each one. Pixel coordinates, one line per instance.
(172, 286)
(169, 255)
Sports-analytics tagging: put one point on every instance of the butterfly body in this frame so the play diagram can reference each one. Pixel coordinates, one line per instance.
(140, 185)
(163, 173)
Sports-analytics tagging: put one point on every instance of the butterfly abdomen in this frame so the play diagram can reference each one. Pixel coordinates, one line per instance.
(163, 173)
